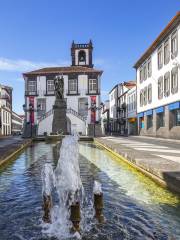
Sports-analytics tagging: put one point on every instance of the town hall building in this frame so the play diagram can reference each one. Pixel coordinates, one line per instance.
(82, 85)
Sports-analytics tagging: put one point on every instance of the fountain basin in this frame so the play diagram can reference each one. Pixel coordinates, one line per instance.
(134, 206)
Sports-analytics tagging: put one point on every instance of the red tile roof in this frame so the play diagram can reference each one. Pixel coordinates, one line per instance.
(62, 70)
(167, 30)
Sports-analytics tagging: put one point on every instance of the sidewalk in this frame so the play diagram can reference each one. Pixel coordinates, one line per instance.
(157, 158)
(10, 146)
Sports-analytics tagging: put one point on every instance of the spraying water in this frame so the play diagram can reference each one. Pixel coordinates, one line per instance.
(68, 186)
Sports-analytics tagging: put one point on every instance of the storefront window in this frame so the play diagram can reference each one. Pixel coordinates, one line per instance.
(160, 119)
(178, 117)
(149, 121)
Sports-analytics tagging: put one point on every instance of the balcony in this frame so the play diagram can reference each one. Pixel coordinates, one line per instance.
(49, 93)
(31, 93)
(5, 97)
(122, 107)
(72, 93)
(93, 92)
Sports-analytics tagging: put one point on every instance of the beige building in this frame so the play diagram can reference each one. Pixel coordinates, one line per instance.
(5, 110)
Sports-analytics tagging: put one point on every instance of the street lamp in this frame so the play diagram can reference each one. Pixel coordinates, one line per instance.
(93, 109)
(31, 110)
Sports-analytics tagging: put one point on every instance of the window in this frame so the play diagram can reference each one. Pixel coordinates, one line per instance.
(166, 52)
(178, 117)
(149, 93)
(160, 87)
(83, 108)
(41, 106)
(134, 101)
(141, 97)
(50, 86)
(160, 120)
(174, 80)
(145, 96)
(31, 86)
(174, 45)
(149, 121)
(167, 84)
(92, 85)
(149, 68)
(141, 75)
(160, 58)
(145, 71)
(72, 87)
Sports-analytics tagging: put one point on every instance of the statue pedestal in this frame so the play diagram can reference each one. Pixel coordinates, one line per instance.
(59, 118)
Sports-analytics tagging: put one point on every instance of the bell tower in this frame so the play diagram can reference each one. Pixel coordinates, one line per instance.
(82, 54)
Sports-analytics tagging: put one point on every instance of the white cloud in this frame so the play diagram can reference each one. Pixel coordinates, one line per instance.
(25, 65)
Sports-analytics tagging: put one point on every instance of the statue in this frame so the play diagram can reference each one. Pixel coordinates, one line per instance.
(59, 87)
(59, 124)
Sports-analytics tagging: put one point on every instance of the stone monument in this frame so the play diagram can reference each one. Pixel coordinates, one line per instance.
(59, 124)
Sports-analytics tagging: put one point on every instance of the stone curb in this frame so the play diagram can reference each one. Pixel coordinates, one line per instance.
(151, 173)
(17, 151)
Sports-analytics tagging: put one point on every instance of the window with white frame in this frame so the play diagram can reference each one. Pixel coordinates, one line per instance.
(50, 86)
(31, 86)
(134, 101)
(145, 71)
(72, 87)
(41, 106)
(141, 75)
(160, 57)
(149, 68)
(160, 87)
(174, 45)
(166, 52)
(149, 93)
(167, 84)
(145, 95)
(174, 80)
(141, 97)
(92, 85)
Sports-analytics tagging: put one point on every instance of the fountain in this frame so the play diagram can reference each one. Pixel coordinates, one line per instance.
(64, 218)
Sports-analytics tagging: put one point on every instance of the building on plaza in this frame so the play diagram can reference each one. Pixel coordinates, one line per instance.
(5, 110)
(105, 117)
(158, 84)
(82, 89)
(17, 123)
(132, 111)
(118, 113)
(122, 106)
(113, 95)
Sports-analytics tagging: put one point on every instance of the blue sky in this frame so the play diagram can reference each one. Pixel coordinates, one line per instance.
(38, 33)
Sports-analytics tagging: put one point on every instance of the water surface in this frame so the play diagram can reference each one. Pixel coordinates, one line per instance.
(134, 206)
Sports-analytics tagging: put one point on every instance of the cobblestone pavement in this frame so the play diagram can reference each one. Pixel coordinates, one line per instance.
(160, 157)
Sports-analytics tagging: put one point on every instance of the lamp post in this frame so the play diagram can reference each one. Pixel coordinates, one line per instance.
(93, 109)
(31, 110)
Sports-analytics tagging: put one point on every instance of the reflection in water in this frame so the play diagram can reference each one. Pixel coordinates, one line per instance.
(135, 207)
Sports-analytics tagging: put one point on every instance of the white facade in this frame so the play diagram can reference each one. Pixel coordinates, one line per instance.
(113, 103)
(158, 84)
(81, 89)
(17, 123)
(5, 110)
(132, 111)
(131, 103)
(156, 74)
(105, 117)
